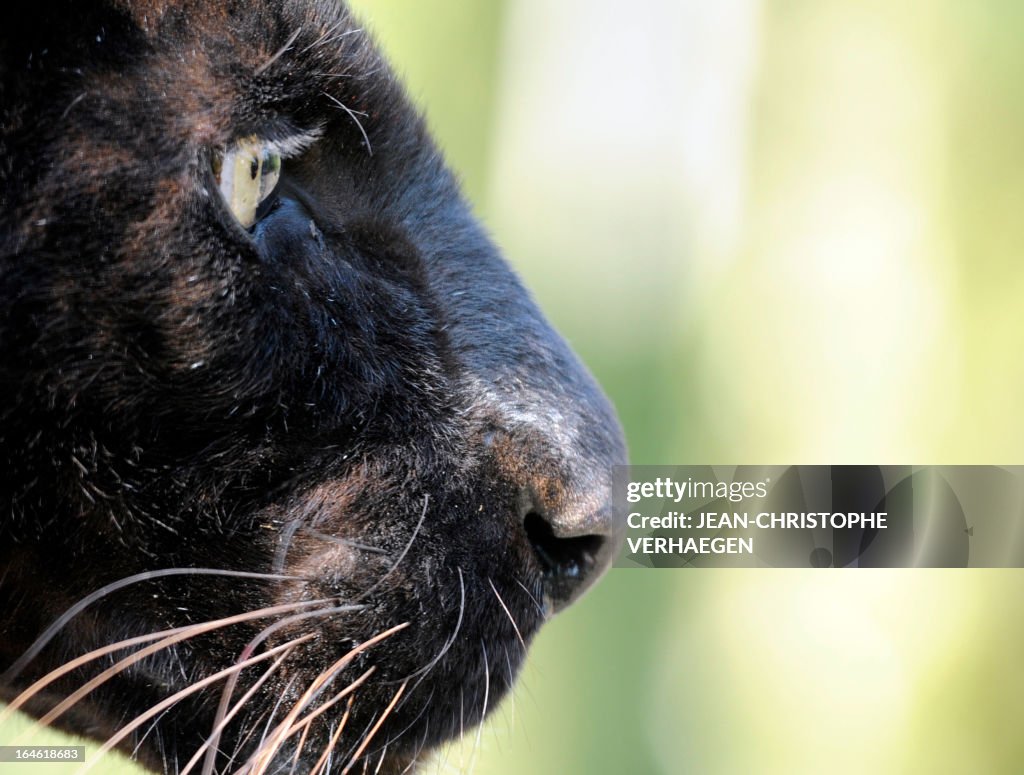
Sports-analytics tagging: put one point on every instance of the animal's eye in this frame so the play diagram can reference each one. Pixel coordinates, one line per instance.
(247, 173)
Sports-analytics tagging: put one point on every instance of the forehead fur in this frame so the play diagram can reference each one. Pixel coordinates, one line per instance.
(160, 80)
(246, 63)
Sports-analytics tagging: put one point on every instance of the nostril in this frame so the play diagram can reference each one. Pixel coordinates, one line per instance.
(565, 562)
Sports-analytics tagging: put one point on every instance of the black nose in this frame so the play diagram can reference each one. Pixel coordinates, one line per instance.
(573, 541)
(568, 564)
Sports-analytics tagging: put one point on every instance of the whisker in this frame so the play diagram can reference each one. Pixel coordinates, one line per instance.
(326, 32)
(511, 704)
(405, 551)
(306, 721)
(353, 115)
(508, 613)
(380, 761)
(53, 675)
(346, 74)
(483, 713)
(420, 747)
(529, 594)
(298, 749)
(260, 760)
(72, 104)
(376, 728)
(128, 661)
(331, 36)
(462, 726)
(425, 707)
(40, 643)
(211, 742)
(263, 756)
(142, 738)
(326, 755)
(279, 53)
(370, 73)
(250, 648)
(266, 729)
(189, 690)
(253, 726)
(345, 541)
(412, 763)
(284, 544)
(169, 637)
(448, 644)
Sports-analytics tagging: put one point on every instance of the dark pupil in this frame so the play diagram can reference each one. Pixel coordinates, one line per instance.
(254, 170)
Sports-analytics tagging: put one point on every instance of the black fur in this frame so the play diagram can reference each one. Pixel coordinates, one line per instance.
(180, 393)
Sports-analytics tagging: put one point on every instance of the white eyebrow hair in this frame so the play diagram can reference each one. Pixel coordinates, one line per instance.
(293, 145)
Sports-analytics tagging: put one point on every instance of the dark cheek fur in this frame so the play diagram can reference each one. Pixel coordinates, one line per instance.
(355, 411)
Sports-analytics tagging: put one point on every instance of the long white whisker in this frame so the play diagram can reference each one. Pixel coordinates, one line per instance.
(483, 713)
(250, 648)
(214, 738)
(325, 757)
(169, 637)
(511, 684)
(344, 541)
(508, 613)
(405, 551)
(376, 728)
(270, 720)
(260, 761)
(58, 624)
(253, 726)
(529, 594)
(380, 761)
(333, 38)
(152, 727)
(462, 728)
(306, 721)
(354, 117)
(423, 671)
(179, 696)
(279, 53)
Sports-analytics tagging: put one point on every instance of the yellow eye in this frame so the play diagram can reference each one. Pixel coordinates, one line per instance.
(247, 174)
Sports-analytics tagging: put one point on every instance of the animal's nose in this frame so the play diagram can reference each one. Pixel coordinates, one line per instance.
(572, 555)
(566, 510)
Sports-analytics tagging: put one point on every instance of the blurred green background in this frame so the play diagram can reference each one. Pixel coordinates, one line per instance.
(778, 232)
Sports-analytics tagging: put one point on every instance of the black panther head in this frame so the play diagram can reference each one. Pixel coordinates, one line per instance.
(272, 403)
